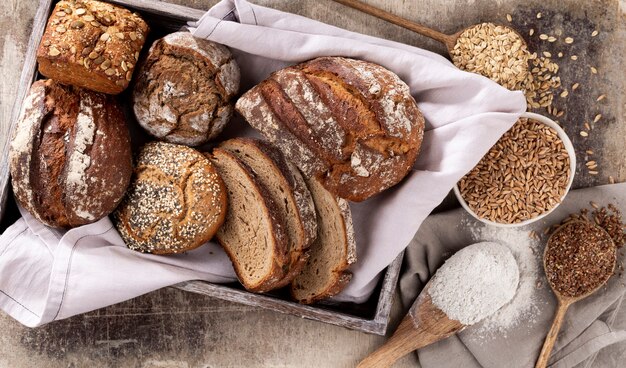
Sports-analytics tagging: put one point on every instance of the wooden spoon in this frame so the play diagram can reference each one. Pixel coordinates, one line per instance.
(565, 301)
(423, 325)
(448, 40)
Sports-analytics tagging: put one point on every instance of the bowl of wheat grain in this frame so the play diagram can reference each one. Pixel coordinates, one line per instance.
(523, 177)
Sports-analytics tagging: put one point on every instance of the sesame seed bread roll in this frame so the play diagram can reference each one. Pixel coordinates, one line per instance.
(175, 203)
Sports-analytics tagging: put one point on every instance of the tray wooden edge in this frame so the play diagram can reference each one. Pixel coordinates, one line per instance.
(377, 325)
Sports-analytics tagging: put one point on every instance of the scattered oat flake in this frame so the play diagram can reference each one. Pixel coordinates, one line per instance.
(543, 36)
(583, 133)
(531, 32)
(547, 54)
(594, 70)
(589, 152)
(569, 40)
(574, 57)
(564, 93)
(551, 39)
(560, 54)
(587, 126)
(594, 33)
(509, 18)
(575, 86)
(600, 98)
(597, 118)
(593, 172)
(539, 15)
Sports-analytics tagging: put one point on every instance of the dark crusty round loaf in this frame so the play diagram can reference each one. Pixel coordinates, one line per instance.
(351, 123)
(252, 235)
(70, 155)
(326, 271)
(175, 203)
(91, 44)
(184, 89)
(287, 188)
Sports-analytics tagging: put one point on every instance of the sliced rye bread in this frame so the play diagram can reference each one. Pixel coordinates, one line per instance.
(288, 189)
(326, 272)
(252, 234)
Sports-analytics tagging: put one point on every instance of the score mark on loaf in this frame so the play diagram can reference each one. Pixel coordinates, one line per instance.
(351, 123)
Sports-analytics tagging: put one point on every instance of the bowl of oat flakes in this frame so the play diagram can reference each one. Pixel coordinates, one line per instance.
(523, 177)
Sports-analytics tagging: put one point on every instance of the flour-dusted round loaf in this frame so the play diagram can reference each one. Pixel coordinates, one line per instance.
(350, 123)
(184, 89)
(91, 44)
(70, 155)
(175, 203)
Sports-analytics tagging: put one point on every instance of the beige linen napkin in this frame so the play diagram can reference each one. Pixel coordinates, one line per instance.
(588, 323)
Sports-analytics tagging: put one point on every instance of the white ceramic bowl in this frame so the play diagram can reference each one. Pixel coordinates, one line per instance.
(572, 159)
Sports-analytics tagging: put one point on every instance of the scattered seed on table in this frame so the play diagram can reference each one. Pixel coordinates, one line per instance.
(593, 172)
(597, 118)
(564, 93)
(547, 54)
(574, 57)
(509, 18)
(594, 70)
(569, 40)
(539, 15)
(531, 32)
(560, 54)
(583, 133)
(551, 39)
(594, 33)
(587, 126)
(589, 152)
(560, 113)
(575, 86)
(543, 36)
(600, 98)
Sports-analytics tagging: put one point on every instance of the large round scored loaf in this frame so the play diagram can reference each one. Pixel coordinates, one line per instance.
(70, 155)
(184, 89)
(175, 203)
(350, 123)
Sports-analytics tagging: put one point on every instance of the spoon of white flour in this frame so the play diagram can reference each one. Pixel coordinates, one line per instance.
(470, 286)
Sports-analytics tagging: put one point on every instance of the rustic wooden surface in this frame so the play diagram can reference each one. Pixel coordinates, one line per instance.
(172, 328)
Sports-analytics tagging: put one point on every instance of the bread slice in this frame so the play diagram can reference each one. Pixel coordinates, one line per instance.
(288, 190)
(326, 272)
(252, 234)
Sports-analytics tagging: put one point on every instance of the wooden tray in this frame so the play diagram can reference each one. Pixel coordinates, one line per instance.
(371, 316)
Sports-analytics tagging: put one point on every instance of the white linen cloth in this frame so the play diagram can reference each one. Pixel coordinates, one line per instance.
(46, 274)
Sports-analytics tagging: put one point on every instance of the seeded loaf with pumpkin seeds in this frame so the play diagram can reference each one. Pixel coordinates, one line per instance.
(91, 44)
(252, 235)
(288, 189)
(333, 251)
(350, 123)
(70, 155)
(184, 88)
(175, 203)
